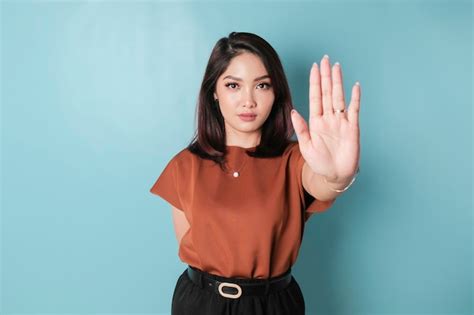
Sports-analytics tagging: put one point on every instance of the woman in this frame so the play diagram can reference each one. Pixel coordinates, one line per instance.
(242, 190)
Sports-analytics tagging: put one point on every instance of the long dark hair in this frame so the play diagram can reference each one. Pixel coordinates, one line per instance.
(209, 140)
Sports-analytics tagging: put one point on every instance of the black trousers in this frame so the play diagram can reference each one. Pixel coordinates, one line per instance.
(191, 299)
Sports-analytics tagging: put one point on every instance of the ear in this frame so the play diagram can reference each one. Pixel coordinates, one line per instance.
(215, 96)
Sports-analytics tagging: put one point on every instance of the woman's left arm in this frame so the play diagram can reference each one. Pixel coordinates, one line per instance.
(330, 145)
(320, 189)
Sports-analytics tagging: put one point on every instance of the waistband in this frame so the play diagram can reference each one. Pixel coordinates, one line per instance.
(236, 287)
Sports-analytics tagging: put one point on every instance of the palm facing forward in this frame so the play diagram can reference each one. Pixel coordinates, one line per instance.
(330, 146)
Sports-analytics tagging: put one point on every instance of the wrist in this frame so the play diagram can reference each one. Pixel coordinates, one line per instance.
(341, 184)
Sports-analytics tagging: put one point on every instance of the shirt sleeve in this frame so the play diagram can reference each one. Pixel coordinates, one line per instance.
(310, 204)
(167, 184)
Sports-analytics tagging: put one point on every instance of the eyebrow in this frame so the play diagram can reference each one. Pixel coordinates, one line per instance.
(239, 79)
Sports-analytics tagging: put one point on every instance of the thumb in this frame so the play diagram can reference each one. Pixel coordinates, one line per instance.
(300, 126)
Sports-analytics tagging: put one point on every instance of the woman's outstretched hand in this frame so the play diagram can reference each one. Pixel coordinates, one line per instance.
(330, 146)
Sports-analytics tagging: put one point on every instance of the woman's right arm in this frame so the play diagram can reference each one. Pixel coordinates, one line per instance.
(181, 224)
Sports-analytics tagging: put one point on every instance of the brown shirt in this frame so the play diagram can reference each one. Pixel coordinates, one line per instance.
(249, 226)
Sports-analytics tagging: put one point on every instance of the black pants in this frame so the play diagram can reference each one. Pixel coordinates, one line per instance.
(190, 299)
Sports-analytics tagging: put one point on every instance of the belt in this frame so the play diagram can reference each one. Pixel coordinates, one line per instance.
(236, 287)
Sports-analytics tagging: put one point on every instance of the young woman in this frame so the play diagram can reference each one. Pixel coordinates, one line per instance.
(242, 190)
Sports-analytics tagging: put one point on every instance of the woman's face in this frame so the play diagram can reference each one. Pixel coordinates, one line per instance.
(244, 88)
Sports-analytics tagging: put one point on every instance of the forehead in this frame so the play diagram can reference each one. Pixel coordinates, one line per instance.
(246, 66)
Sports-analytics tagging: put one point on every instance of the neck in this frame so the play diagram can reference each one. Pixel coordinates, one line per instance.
(248, 141)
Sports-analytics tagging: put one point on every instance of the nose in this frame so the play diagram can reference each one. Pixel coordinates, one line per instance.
(249, 99)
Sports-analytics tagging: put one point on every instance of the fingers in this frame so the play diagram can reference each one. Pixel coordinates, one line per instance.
(315, 108)
(337, 88)
(326, 86)
(354, 106)
(326, 92)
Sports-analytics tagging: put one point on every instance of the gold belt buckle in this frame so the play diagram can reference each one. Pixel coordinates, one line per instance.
(233, 285)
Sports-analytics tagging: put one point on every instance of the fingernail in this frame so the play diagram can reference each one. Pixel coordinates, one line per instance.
(357, 83)
(326, 56)
(336, 63)
(293, 111)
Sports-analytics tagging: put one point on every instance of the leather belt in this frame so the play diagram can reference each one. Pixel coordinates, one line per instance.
(236, 287)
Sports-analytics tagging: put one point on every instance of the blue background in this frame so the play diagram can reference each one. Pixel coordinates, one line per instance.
(98, 96)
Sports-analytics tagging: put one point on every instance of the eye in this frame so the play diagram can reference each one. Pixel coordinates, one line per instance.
(267, 84)
(230, 83)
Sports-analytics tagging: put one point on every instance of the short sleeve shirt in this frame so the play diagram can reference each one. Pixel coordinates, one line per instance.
(250, 226)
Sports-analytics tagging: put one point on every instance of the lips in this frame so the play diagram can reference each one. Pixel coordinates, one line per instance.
(247, 115)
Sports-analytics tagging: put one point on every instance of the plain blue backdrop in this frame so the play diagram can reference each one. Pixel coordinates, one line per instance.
(97, 97)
